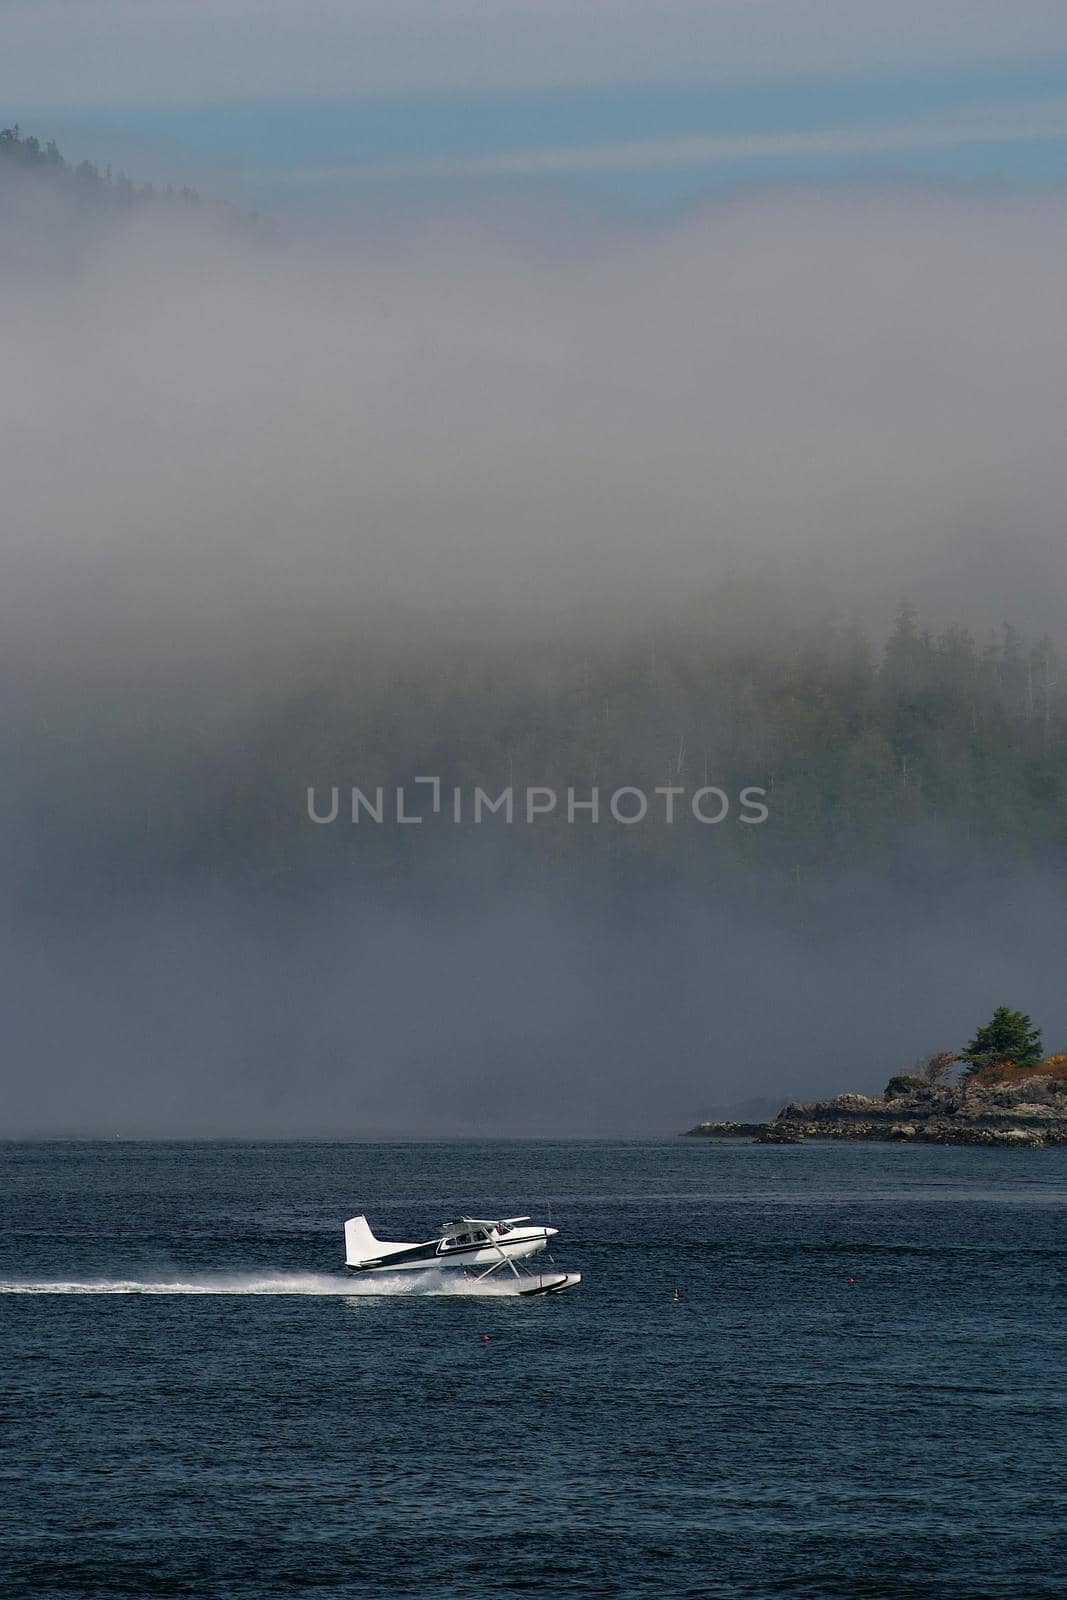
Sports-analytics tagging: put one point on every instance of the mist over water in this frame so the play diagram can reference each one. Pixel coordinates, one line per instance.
(249, 481)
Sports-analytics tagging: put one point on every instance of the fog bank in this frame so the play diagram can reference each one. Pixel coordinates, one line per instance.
(233, 466)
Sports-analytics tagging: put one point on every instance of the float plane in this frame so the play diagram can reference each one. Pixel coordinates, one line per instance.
(477, 1245)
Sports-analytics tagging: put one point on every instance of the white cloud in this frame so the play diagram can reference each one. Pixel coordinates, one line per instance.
(872, 383)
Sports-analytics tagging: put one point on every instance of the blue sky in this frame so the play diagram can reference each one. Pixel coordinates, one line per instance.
(325, 103)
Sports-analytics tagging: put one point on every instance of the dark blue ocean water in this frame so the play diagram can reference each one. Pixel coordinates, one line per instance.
(779, 1431)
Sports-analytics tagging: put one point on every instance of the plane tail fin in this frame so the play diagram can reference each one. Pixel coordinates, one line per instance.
(360, 1243)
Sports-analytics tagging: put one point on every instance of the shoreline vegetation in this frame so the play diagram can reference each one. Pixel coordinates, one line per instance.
(1009, 1094)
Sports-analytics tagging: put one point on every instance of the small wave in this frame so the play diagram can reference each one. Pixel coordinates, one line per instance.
(277, 1283)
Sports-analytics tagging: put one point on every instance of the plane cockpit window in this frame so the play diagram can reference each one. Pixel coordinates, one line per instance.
(457, 1240)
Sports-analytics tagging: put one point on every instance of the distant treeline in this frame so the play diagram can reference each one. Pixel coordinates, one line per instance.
(934, 763)
(916, 761)
(100, 187)
(29, 154)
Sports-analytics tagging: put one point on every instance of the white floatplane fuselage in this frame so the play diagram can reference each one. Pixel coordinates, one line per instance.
(478, 1246)
(469, 1242)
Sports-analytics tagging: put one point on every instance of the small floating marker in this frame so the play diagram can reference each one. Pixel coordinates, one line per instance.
(677, 1295)
(851, 1282)
(485, 1338)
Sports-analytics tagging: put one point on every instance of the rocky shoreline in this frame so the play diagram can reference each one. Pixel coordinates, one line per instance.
(1032, 1113)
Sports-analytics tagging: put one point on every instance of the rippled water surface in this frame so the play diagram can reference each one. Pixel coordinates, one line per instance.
(194, 1402)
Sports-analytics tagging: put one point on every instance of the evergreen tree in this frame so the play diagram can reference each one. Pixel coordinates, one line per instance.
(1008, 1036)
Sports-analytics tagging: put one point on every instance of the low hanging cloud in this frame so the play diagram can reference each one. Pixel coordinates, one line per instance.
(866, 388)
(222, 455)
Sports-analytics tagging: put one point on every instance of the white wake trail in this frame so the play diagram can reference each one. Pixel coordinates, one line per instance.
(275, 1283)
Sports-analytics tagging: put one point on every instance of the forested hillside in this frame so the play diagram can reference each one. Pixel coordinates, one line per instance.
(928, 749)
(54, 211)
(933, 759)
(27, 155)
(866, 749)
